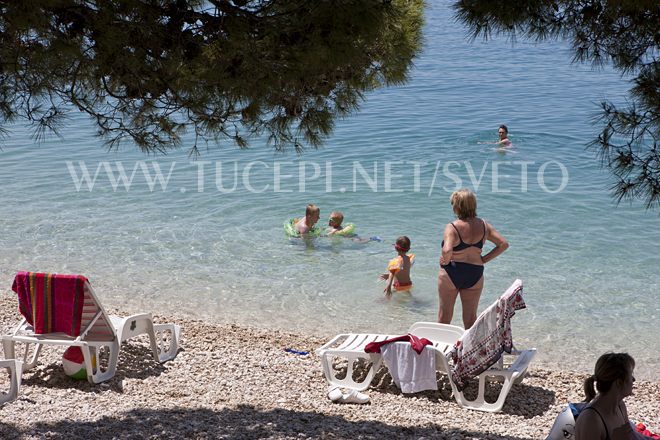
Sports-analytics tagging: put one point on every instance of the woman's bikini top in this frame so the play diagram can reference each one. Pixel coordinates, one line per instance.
(463, 245)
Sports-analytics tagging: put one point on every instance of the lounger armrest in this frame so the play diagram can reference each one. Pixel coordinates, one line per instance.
(320, 351)
(132, 326)
(520, 365)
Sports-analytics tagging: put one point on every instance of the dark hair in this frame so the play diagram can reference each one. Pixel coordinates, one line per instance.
(503, 127)
(609, 368)
(403, 243)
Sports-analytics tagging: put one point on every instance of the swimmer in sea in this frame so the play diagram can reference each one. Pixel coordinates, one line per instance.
(334, 224)
(306, 225)
(504, 142)
(503, 133)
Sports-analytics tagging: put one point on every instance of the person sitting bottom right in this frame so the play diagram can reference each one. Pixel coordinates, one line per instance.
(606, 416)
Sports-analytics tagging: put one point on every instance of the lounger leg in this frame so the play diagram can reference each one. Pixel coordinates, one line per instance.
(479, 403)
(96, 375)
(513, 374)
(164, 351)
(142, 324)
(348, 382)
(9, 347)
(15, 369)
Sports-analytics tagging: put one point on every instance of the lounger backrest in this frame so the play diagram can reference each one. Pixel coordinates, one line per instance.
(95, 322)
(442, 333)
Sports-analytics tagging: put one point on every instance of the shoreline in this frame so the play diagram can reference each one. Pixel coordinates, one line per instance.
(554, 358)
(231, 381)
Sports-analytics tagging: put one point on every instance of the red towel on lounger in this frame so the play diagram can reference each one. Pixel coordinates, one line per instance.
(51, 303)
(416, 343)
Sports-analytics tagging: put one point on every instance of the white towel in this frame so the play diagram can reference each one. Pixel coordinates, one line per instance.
(411, 372)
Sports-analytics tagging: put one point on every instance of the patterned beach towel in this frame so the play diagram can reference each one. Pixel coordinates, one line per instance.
(51, 303)
(483, 344)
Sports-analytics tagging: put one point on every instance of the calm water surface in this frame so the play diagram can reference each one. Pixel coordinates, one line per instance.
(210, 243)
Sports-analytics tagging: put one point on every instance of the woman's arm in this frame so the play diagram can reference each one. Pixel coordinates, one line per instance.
(447, 249)
(496, 238)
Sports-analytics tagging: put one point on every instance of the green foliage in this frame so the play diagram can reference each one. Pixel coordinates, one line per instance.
(623, 32)
(151, 70)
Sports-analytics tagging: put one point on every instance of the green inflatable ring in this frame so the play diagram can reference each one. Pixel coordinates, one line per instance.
(290, 229)
(346, 230)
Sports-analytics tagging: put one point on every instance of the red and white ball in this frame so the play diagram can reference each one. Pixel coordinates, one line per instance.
(74, 363)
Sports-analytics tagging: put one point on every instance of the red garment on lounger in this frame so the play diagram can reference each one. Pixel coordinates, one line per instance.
(51, 303)
(418, 344)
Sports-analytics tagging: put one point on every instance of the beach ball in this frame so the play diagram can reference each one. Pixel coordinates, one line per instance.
(74, 363)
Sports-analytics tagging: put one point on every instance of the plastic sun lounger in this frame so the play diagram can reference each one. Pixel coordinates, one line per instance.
(98, 330)
(443, 338)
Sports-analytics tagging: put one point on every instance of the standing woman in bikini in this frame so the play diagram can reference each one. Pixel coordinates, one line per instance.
(461, 262)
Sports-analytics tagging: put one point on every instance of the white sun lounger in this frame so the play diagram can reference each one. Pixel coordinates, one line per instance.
(443, 337)
(98, 331)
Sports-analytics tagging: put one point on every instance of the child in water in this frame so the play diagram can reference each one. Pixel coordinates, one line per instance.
(334, 223)
(312, 215)
(398, 269)
(335, 228)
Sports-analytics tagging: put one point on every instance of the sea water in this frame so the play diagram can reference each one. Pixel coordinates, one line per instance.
(207, 240)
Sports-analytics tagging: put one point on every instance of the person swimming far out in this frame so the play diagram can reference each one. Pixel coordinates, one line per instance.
(503, 134)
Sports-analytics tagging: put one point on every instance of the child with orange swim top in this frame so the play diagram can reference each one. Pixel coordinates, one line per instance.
(398, 269)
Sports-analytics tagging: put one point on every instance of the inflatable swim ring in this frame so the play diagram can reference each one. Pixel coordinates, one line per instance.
(290, 229)
(347, 230)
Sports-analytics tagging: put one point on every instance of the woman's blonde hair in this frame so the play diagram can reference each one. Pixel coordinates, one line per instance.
(464, 203)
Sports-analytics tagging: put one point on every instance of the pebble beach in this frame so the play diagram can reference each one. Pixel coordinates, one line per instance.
(238, 382)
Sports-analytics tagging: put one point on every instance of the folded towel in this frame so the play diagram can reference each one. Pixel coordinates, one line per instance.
(411, 372)
(416, 343)
(51, 303)
(483, 344)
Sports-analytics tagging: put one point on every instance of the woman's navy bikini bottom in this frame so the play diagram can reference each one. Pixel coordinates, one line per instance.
(464, 275)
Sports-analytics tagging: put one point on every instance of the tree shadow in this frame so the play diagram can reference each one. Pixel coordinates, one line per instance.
(242, 422)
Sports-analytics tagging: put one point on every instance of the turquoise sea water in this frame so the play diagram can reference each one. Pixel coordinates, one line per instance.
(209, 243)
